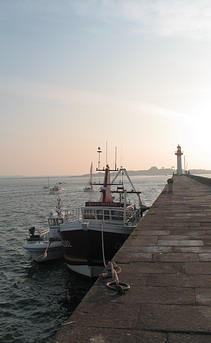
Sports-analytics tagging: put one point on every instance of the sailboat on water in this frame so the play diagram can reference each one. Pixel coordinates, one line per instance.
(47, 186)
(89, 187)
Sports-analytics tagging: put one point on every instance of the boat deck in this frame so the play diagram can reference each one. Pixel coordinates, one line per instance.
(167, 263)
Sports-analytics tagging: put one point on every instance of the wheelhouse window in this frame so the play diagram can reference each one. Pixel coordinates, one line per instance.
(117, 215)
(99, 214)
(55, 221)
(89, 214)
(106, 214)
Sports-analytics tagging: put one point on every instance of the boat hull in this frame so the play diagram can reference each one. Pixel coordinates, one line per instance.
(42, 251)
(89, 189)
(85, 251)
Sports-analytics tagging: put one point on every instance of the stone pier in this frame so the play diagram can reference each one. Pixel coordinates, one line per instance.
(167, 263)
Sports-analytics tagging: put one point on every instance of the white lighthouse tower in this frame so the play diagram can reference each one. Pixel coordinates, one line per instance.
(179, 153)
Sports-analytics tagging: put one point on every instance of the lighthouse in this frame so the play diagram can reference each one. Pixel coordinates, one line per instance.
(179, 153)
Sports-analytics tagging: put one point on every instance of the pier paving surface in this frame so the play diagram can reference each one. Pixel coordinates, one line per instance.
(167, 263)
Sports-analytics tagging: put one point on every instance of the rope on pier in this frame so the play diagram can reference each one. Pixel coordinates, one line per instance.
(116, 285)
(112, 270)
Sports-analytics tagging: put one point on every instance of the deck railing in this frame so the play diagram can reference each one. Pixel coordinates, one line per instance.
(104, 215)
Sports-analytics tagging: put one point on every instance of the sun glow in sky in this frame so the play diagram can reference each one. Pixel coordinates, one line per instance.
(77, 74)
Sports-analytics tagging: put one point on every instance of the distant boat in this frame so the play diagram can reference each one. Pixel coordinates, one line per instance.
(47, 186)
(56, 189)
(89, 187)
(47, 245)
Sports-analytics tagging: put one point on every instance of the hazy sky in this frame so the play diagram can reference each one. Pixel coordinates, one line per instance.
(75, 74)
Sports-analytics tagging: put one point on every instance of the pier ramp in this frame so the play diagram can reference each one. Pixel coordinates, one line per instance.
(167, 263)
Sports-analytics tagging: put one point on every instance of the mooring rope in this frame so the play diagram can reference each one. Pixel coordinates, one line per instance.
(116, 285)
(112, 270)
(103, 247)
(41, 258)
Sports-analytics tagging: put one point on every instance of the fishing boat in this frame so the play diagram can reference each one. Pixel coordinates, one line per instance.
(97, 230)
(89, 187)
(47, 245)
(56, 189)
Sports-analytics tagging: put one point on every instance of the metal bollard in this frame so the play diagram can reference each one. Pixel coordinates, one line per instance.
(170, 185)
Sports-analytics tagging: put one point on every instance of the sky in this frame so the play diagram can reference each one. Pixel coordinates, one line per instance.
(127, 75)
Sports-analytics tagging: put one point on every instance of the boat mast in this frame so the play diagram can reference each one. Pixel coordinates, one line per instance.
(115, 159)
(99, 152)
(106, 153)
(106, 189)
(90, 179)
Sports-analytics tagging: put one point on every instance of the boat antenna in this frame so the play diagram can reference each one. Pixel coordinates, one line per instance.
(58, 207)
(106, 153)
(99, 152)
(115, 166)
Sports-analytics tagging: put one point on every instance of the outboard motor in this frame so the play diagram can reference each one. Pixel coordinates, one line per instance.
(31, 231)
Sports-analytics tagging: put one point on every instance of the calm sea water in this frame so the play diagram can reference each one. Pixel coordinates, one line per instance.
(35, 299)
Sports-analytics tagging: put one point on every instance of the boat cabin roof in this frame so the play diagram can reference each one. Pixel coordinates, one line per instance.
(107, 204)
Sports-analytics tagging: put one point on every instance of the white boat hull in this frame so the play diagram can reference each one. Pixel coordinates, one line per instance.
(42, 251)
(56, 192)
(90, 190)
(89, 271)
